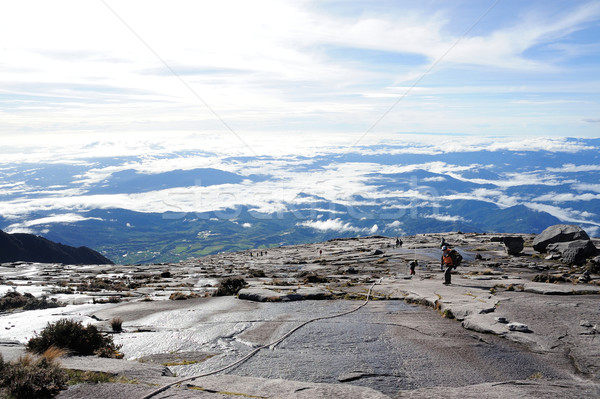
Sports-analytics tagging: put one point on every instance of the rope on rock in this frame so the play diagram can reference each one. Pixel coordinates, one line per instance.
(271, 345)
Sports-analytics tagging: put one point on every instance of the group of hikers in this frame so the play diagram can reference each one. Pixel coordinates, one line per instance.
(449, 261)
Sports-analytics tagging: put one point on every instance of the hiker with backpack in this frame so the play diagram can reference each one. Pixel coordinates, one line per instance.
(450, 260)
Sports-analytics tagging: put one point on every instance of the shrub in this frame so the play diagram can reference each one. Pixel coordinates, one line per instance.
(180, 296)
(33, 376)
(315, 279)
(256, 273)
(15, 300)
(116, 323)
(230, 286)
(112, 299)
(74, 337)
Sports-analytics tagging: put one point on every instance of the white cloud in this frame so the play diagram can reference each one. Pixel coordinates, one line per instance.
(587, 187)
(24, 227)
(246, 225)
(569, 167)
(446, 218)
(332, 225)
(566, 197)
(564, 214)
(276, 66)
(434, 179)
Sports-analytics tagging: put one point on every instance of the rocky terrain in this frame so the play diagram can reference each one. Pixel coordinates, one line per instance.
(515, 322)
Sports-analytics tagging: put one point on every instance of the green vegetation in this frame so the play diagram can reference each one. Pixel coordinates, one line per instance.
(95, 377)
(15, 300)
(33, 376)
(72, 336)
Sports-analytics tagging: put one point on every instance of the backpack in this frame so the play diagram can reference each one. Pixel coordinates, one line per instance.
(456, 258)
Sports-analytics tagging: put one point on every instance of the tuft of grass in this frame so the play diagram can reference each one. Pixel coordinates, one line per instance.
(447, 313)
(536, 376)
(33, 376)
(180, 296)
(95, 377)
(88, 377)
(116, 323)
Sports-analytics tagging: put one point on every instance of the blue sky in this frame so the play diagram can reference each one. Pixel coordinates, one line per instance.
(96, 69)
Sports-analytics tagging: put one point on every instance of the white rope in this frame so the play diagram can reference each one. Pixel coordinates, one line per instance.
(271, 345)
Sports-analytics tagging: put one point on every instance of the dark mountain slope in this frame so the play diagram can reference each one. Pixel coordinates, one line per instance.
(32, 248)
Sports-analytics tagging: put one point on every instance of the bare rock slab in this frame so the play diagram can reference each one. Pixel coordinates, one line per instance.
(284, 389)
(127, 368)
(560, 289)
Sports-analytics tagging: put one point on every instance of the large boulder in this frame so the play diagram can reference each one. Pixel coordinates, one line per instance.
(558, 233)
(574, 252)
(512, 244)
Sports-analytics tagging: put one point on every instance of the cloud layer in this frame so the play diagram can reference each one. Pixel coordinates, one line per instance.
(299, 66)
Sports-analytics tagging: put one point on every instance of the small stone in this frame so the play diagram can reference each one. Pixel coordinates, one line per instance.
(585, 323)
(501, 320)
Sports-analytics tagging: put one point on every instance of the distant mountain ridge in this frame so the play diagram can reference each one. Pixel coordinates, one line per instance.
(31, 248)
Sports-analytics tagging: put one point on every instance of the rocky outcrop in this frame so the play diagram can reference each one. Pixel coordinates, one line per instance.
(558, 233)
(573, 252)
(512, 244)
(31, 248)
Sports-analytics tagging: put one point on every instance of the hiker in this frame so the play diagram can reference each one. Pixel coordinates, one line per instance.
(398, 242)
(413, 264)
(450, 260)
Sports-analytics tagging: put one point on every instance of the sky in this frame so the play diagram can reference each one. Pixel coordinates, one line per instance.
(85, 71)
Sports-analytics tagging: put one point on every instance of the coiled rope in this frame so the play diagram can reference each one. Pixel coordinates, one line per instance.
(271, 345)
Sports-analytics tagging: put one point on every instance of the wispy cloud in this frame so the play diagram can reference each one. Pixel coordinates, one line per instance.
(25, 227)
(446, 218)
(333, 225)
(566, 197)
(288, 66)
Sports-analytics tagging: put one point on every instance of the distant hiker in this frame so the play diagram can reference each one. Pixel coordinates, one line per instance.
(443, 243)
(450, 260)
(250, 254)
(320, 252)
(413, 264)
(398, 242)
